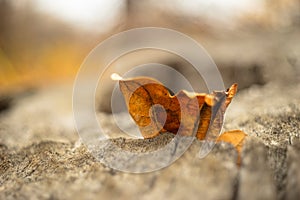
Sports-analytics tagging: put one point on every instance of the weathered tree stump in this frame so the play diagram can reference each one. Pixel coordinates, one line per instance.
(40, 158)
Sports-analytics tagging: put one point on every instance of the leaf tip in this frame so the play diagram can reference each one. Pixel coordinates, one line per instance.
(115, 77)
(232, 90)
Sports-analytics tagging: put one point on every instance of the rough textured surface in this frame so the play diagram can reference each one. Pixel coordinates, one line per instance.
(41, 157)
(43, 169)
(293, 174)
(255, 178)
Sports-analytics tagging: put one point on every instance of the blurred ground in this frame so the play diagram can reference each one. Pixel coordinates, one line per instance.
(42, 158)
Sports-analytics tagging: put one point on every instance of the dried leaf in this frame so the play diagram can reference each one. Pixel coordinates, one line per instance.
(142, 93)
(234, 137)
(156, 111)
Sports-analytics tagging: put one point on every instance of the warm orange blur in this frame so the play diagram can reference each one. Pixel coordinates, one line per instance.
(36, 48)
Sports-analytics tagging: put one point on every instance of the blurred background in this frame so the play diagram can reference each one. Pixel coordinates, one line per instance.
(255, 43)
(44, 42)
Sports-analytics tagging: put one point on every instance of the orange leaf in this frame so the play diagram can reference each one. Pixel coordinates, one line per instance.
(234, 137)
(156, 111)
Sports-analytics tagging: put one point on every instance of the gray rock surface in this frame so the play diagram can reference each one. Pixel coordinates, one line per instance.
(255, 178)
(42, 158)
(293, 174)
